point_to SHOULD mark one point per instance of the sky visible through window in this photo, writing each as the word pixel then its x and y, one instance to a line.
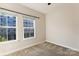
pixel 7 20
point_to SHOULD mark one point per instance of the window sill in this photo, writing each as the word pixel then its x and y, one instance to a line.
pixel 29 38
pixel 5 42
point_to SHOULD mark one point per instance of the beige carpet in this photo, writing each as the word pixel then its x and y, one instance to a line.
pixel 45 49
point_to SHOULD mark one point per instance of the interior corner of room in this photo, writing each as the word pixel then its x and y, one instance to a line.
pixel 38 23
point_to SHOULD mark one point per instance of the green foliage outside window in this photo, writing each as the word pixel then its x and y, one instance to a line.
pixel 2 39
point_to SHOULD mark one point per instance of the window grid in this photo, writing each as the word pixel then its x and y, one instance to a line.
pixel 8 28
pixel 29 26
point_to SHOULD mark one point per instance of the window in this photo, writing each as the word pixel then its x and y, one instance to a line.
pixel 7 27
pixel 29 27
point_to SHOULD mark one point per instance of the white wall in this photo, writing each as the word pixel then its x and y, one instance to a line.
pixel 11 46
pixel 62 25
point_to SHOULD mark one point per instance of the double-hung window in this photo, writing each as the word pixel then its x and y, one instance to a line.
pixel 29 27
pixel 7 27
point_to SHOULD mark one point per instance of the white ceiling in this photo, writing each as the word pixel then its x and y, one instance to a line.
pixel 45 8
pixel 41 7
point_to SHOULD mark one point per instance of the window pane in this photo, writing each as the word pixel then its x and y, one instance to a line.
pixel 11 33
pixel 28 23
pixel 7 20
pixel 2 20
pixel 31 32
pixel 3 34
pixel 28 32
pixel 11 21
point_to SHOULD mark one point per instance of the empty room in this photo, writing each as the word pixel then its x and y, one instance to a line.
pixel 39 29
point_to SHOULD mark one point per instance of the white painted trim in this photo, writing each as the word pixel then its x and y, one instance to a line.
pixel 30 45
pixel 63 45
pixel 34 22
pixel 29 38
pixel 4 42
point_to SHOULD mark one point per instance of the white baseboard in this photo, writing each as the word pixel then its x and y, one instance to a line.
pixel 4 54
pixel 40 43
pixel 63 45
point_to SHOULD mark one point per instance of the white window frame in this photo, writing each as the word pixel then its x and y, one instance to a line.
pixel 6 27
pixel 34 27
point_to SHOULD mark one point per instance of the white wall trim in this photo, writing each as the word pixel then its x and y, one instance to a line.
pixel 63 45
pixel 21 48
